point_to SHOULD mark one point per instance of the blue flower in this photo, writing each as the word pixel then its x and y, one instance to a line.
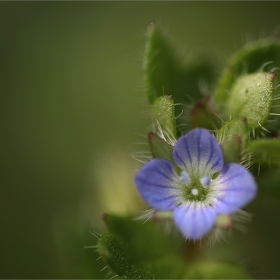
pixel 199 187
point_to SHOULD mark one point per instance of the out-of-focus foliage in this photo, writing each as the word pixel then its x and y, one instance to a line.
pixel 127 249
pixel 69 88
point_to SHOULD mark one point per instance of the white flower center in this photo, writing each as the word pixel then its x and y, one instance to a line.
pixel 195 188
pixel 194 191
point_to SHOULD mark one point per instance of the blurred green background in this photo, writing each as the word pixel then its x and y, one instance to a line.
pixel 72 105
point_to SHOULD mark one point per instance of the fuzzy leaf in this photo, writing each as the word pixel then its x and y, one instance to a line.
pixel 112 250
pixel 232 150
pixel 267 150
pixel 233 136
pixel 134 249
pixel 234 128
pixel 161 68
pixel 214 270
pixel 165 72
pixel 163 112
pixel 252 97
pixel 202 114
pixel 198 70
pixel 159 147
pixel 249 58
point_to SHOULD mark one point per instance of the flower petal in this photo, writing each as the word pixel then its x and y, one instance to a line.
pixel 234 188
pixel 158 184
pixel 195 219
pixel 199 153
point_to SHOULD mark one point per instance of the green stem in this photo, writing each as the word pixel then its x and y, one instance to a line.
pixel 192 250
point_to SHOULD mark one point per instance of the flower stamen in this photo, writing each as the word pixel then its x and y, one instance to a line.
pixel 184 177
pixel 194 191
pixel 205 181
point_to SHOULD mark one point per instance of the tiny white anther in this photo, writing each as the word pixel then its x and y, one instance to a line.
pixel 184 177
pixel 194 191
pixel 205 181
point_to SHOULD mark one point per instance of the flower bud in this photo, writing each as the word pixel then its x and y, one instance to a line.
pixel 251 97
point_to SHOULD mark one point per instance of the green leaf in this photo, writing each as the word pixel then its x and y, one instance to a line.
pixel 166 73
pixel 112 250
pixel 234 128
pixel 199 76
pixel 161 67
pixel 249 58
pixel 134 249
pixel 159 147
pixel 266 150
pixel 202 114
pixel 128 229
pixel 215 270
pixel 268 180
pixel 252 97
pixel 232 150
pixel 266 154
pixel 233 136
pixel 163 112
